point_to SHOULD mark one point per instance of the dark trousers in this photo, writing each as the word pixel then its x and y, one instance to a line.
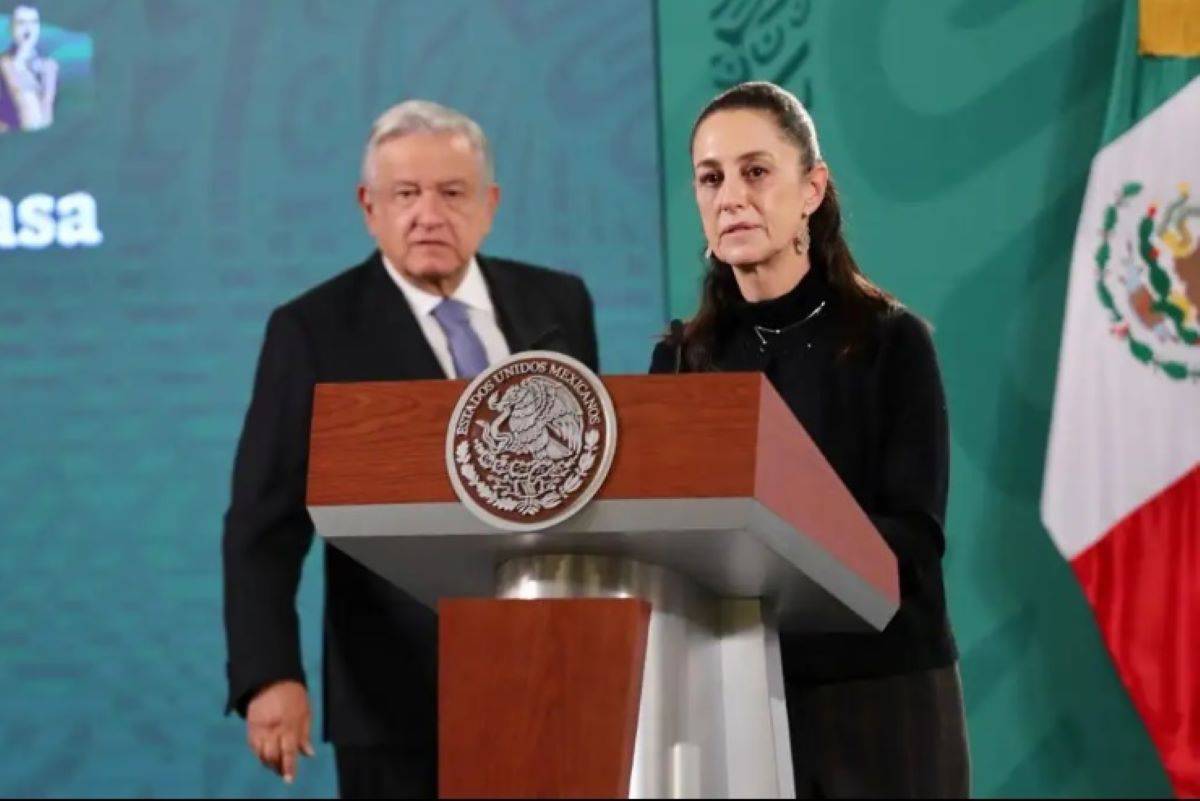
pixel 899 736
pixel 385 772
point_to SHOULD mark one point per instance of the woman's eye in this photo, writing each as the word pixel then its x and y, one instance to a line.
pixel 710 179
pixel 756 172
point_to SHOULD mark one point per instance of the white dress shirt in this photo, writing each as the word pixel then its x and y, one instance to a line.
pixel 472 293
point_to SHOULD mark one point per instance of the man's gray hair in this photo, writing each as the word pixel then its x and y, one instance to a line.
pixel 424 116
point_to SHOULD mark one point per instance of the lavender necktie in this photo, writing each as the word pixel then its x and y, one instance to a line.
pixel 466 349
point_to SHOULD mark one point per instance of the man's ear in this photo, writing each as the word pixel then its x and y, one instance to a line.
pixel 367 204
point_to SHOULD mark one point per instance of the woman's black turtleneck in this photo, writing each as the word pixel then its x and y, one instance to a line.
pixel 878 414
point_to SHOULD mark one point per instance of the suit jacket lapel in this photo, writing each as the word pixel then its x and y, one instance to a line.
pixel 524 324
pixel 391 323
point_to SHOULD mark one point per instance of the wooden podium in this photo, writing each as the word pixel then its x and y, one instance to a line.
pixel 631 650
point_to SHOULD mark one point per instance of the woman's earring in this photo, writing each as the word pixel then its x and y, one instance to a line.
pixel 708 254
pixel 802 238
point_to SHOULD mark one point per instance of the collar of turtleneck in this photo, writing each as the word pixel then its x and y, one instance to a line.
pixel 797 304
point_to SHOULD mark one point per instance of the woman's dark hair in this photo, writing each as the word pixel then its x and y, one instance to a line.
pixel 860 300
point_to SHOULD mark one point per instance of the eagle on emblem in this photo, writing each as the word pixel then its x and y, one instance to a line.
pixel 538 417
pixel 1173 231
pixel 1178 296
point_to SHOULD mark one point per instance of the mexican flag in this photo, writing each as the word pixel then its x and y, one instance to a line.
pixel 1121 497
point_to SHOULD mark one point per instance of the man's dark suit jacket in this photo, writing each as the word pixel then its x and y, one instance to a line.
pixel 380 645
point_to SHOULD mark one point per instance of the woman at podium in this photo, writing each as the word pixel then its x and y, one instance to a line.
pixel 870 714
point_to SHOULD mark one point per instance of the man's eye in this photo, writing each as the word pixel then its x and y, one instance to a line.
pixel 756 172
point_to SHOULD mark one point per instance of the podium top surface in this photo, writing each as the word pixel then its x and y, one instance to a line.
pixel 712 476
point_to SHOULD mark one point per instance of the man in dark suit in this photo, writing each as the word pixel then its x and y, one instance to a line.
pixel 425 305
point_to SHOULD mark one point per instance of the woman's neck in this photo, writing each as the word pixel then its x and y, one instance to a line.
pixel 772 278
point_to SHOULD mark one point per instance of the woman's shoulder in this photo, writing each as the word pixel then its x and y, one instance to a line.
pixel 900 324
pixel 883 322
pixel 667 354
pixel 906 347
pixel 891 332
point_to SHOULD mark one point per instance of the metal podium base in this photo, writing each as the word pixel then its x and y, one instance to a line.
pixel 712 720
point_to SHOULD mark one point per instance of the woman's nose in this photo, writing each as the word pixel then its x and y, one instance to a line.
pixel 732 195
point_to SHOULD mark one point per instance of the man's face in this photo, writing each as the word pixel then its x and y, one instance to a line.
pixel 26 27
pixel 429 205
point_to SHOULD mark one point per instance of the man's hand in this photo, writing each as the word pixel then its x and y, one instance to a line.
pixel 278 721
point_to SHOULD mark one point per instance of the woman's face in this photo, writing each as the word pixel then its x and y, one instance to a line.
pixel 750 187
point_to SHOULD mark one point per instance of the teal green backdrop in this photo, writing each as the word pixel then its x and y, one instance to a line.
pixel 221 141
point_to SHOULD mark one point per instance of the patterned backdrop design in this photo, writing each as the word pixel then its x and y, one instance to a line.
pixel 959 133
pixel 222 144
